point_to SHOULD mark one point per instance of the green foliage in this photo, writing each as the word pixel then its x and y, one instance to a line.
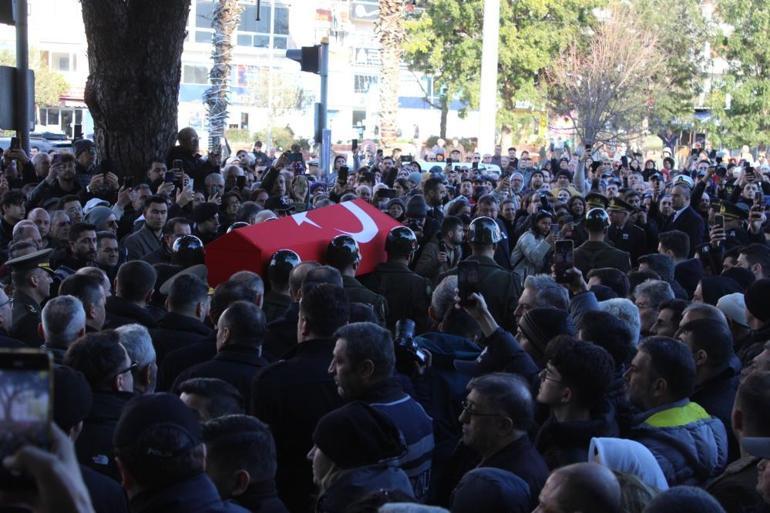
pixel 682 31
pixel 746 85
pixel 49 85
pixel 283 137
pixel 445 42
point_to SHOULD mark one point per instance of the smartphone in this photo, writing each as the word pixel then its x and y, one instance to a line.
pixel 240 181
pixel 169 177
pixel 695 152
pixel 589 147
pixel 759 197
pixel 342 176
pixel 405 158
pixel 442 245
pixel 563 259
pixel 544 202
pixel 554 228
pixel 26 399
pixel 387 193
pixel 14 143
pixel 354 145
pixel 449 161
pixel 719 220
pixel 178 164
pixel 468 280
pixel 475 166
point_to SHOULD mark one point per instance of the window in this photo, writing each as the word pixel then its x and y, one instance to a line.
pixel 363 83
pixel 256 33
pixel 244 120
pixel 62 61
pixel 195 74
pixel 204 10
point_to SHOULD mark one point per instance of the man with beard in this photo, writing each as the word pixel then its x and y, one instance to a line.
pixel 82 248
pixel 61 180
pixel 173 229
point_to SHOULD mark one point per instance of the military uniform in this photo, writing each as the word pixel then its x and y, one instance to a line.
pixel 598 254
pixel 629 237
pixel 26 311
pixel 357 293
pixel 26 318
pixel 501 289
pixel 406 292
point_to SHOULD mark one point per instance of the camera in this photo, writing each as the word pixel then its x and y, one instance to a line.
pixel 407 351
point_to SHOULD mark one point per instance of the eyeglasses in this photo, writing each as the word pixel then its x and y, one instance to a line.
pixel 130 368
pixel 468 408
pixel 546 374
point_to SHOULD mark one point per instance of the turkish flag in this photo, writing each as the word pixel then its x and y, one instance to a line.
pixel 307 233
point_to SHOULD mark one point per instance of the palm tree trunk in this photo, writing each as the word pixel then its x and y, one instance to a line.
pixel 226 16
pixel 390 30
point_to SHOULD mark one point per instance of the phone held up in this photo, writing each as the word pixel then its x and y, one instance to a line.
pixel 26 400
pixel 468 281
pixel 563 259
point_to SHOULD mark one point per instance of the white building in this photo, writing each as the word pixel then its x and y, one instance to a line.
pixel 258 98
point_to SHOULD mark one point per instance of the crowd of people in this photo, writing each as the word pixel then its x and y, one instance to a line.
pixel 608 353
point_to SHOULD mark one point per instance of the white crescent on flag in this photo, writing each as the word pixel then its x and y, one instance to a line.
pixel 368 226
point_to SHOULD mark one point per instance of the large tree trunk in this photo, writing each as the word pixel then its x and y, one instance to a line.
pixel 134 58
pixel 227 14
pixel 390 29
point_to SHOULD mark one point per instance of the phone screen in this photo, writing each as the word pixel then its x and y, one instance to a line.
pixel 241 182
pixel 342 177
pixel 169 177
pixel 563 259
pixel 178 164
pixel 719 220
pixel 554 227
pixel 468 280
pixel 25 405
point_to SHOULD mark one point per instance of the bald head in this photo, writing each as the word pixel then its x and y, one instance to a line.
pixel 188 139
pixel 297 276
pixel 582 487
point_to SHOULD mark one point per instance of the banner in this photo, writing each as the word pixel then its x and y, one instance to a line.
pixel 307 233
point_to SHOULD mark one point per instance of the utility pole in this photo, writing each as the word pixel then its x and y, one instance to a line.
pixel 22 68
pixel 489 49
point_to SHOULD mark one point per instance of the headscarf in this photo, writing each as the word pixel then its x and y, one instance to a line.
pixel 630 457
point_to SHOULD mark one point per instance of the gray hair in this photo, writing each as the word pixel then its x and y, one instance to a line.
pixel 444 296
pixel 625 310
pixel 20 229
pixel 656 291
pixel 549 293
pixel 64 319
pixel 138 343
pixel 706 311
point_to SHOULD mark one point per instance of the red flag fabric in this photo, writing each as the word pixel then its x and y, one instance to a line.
pixel 307 233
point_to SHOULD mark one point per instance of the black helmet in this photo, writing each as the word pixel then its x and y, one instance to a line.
pixel 236 225
pixel 281 264
pixel 401 241
pixel 188 251
pixel 342 252
pixel 484 230
pixel 597 220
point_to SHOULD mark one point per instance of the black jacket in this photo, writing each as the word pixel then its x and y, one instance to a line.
pixel 94 445
pixel 688 273
pixel 107 495
pixel 691 223
pixel 596 254
pixel 185 357
pixel 194 495
pixel 564 443
pixel 275 305
pixel 126 312
pixel 281 336
pixel 261 497
pixel 235 363
pixel 717 396
pixel 175 331
pixel 291 395
pixel 357 293
pixel 406 292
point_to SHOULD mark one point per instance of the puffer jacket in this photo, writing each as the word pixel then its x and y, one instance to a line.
pixel 529 255
pixel 689 444
pixel 355 483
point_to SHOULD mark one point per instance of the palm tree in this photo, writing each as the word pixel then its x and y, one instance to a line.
pixel 224 20
pixel 390 30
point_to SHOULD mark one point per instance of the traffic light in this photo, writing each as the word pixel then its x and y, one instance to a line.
pixel 309 58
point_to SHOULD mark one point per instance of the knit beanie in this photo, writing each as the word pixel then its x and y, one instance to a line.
pixel 540 325
pixel 757 299
pixel 357 435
